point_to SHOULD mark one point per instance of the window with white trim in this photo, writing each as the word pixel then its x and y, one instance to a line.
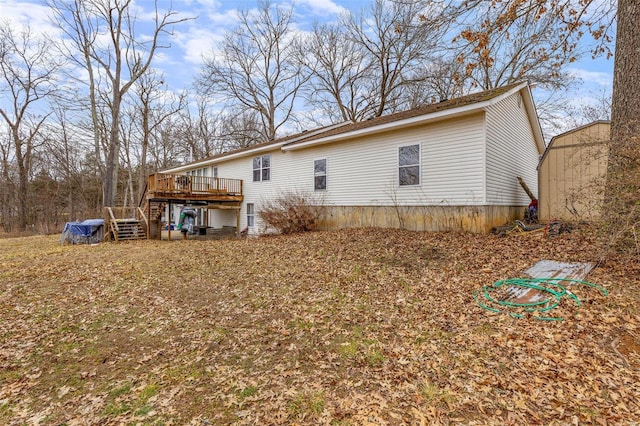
pixel 409 165
pixel 262 168
pixel 250 215
pixel 215 172
pixel 320 175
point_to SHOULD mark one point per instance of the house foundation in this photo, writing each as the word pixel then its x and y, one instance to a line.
pixel 476 219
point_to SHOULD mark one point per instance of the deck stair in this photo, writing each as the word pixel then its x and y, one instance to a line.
pixel 156 211
pixel 125 223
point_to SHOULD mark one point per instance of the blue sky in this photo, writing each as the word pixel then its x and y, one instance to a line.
pixel 213 17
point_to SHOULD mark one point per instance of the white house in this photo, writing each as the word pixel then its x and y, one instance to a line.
pixel 451 165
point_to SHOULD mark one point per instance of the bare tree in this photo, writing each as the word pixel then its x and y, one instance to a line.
pixel 27 80
pixel 339 68
pixel 117 63
pixel 168 149
pixel 237 129
pixel 63 152
pixel 81 31
pixel 207 132
pixel 255 68
pixel 199 133
pixel 526 49
pixel 153 105
pixel 398 39
pixel 441 79
pixel 592 107
pixel 623 169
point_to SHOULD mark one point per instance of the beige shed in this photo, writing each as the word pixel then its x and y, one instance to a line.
pixel 571 173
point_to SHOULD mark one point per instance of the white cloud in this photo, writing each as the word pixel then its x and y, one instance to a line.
pixel 215 4
pixel 23 13
pixel 593 77
pixel 322 7
pixel 222 20
pixel 199 37
pixel 196 43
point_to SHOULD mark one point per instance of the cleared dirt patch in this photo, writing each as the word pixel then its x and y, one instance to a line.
pixel 351 327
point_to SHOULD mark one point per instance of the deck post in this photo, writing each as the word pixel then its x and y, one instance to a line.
pixel 238 221
pixel 168 224
pixel 148 212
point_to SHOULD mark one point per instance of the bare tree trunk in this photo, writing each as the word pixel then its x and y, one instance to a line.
pixel 622 206
pixel 6 218
pixel 625 114
pixel 142 173
pixel 113 154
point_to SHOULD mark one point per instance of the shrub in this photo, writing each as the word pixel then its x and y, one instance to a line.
pixel 291 212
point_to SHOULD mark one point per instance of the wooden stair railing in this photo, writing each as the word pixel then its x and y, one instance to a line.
pixel 129 228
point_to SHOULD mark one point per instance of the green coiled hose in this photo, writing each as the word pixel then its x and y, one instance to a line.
pixel 550 286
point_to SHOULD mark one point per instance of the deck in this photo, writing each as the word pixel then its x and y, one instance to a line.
pixel 165 189
pixel 177 188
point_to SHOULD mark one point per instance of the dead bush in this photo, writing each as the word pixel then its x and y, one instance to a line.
pixel 291 212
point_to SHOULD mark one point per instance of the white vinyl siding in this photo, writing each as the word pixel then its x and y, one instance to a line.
pixel 511 152
pixel 364 171
pixel 453 162
pixel 254 192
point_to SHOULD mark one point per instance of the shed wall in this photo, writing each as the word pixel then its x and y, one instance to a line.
pixel 572 174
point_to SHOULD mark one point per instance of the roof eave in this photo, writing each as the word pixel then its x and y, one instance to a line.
pixel 523 88
pixel 395 125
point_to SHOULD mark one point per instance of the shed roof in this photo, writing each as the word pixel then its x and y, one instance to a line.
pixel 568 132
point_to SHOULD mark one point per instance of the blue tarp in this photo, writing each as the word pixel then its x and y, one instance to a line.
pixel 86 232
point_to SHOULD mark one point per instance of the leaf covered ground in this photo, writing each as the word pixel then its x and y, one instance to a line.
pixel 352 327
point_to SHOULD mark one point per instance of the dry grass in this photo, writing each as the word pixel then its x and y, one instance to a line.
pixel 345 328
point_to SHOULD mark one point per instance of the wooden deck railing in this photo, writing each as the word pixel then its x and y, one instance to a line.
pixel 125 223
pixel 183 184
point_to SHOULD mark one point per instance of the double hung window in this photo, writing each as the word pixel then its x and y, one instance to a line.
pixel 409 165
pixel 262 168
pixel 250 215
pixel 320 175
